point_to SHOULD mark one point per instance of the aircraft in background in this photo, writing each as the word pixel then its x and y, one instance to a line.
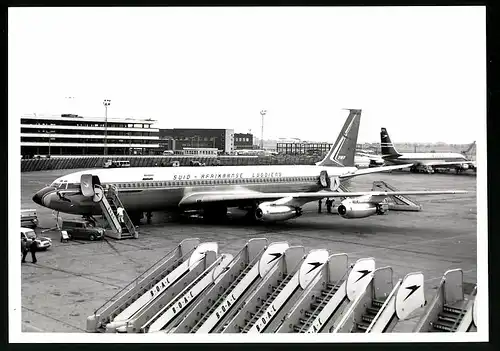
pixel 368 159
pixel 268 193
pixel 422 161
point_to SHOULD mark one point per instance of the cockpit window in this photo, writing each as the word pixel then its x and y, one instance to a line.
pixel 60 184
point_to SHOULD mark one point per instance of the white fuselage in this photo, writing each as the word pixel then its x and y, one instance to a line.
pixel 421 158
pixel 161 188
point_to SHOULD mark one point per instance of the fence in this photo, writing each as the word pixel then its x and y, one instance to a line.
pixel 42 164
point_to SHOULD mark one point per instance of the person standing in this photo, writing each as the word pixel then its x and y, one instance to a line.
pixel 33 247
pixel 329 205
pixel 119 211
pixel 24 249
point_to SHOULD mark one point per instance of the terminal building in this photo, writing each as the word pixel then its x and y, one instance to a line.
pixel 302 148
pixel 70 134
pixel 178 139
pixel 294 147
pixel 243 141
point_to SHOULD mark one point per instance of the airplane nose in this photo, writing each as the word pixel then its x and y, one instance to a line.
pixel 38 197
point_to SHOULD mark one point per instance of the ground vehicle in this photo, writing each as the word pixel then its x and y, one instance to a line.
pixel 168 152
pixel 82 229
pixel 29 218
pixel 116 164
pixel 42 242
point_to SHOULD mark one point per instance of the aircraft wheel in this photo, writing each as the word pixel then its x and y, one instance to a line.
pixel 136 217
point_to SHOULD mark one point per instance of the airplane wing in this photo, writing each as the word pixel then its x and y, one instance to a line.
pixel 293 199
pixel 374 170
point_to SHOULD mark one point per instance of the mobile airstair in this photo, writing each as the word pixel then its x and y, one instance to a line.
pixel 328 295
pixel 279 290
pixel 109 204
pixel 368 303
pixel 236 295
pixel 154 299
pixel 397 202
pixel 108 199
pixel 225 282
pixel 124 298
pixel 189 295
pixel 450 310
pixel 406 297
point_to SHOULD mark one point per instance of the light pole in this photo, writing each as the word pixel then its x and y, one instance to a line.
pixel 106 103
pixel 263 112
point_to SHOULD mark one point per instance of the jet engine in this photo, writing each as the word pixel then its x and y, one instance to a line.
pixel 465 166
pixel 350 209
pixel 270 212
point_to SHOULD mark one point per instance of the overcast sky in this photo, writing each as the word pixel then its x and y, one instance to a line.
pixel 418 71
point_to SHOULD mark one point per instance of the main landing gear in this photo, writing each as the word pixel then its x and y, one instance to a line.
pixel 215 214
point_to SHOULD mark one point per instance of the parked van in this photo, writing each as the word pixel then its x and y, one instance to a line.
pixel 116 164
pixel 82 229
pixel 42 242
pixel 29 218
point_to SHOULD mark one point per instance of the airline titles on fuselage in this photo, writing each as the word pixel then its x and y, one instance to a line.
pixel 226 175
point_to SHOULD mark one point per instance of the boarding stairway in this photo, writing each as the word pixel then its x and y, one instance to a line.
pixel 155 274
pixel 139 312
pixel 223 285
pixel 406 297
pixel 269 288
pixel 326 297
pixel 236 295
pixel 394 202
pixel 279 290
pixel 373 309
pixel 397 202
pixel 189 295
pixel 450 310
pixel 109 203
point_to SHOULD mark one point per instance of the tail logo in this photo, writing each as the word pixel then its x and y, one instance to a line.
pixel 335 154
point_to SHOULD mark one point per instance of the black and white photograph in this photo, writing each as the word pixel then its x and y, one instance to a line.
pixel 227 171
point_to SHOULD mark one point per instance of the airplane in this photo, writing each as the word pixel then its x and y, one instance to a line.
pixel 422 161
pixel 364 159
pixel 267 193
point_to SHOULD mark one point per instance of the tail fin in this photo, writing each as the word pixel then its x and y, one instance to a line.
pixel 386 144
pixel 342 152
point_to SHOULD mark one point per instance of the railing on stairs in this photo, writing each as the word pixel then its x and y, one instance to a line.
pixel 110 217
pixel 123 298
pixel 112 193
pixel 328 294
